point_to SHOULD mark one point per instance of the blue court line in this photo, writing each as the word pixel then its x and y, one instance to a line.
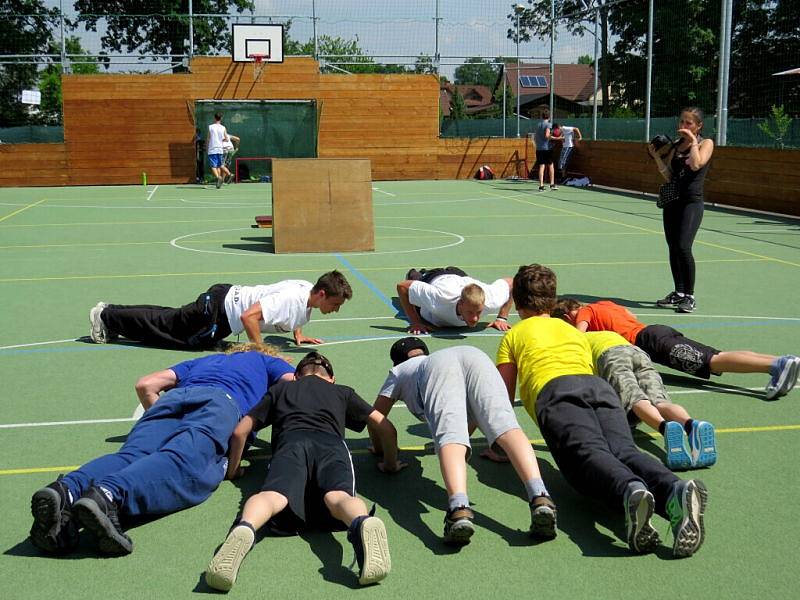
pixel 363 279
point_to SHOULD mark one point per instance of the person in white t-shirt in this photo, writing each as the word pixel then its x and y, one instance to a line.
pixel 448 297
pixel 222 310
pixel 568 136
pixel 229 150
pixel 217 136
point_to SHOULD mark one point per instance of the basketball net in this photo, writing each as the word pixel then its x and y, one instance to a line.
pixel 259 64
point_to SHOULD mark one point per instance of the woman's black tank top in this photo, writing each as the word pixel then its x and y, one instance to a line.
pixel 690 182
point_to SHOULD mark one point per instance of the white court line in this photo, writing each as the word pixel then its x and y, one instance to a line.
pixel 390 204
pixel 150 197
pixel 37 344
pixel 382 192
pixel 400 405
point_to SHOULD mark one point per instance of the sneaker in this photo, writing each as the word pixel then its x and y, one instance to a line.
pixel 785 378
pixel 543 517
pixel 702 443
pixel 554 187
pixel 639 507
pixel 224 567
pixel 670 299
pixel 685 507
pixel 458 527
pixel 368 536
pixel 98 330
pixel 219 182
pixel 229 179
pixel 99 515
pixel 53 530
pixel 541 188
pixel 676 456
pixel 413 275
pixel 687 304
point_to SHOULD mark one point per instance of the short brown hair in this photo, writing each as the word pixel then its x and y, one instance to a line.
pixel 473 295
pixel 564 306
pixel 314 363
pixel 333 283
pixel 534 289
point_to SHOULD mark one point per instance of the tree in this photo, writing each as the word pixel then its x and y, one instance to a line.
pixel 25 28
pixel 50 79
pixel 585 59
pixel 459 110
pixel 776 126
pixel 131 27
pixel 344 54
pixel 476 71
pixel 424 65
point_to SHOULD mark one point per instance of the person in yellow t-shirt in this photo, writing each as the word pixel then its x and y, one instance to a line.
pixel 583 424
pixel 631 373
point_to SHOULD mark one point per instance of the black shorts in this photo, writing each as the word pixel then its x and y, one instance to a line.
pixel 544 157
pixel 306 466
pixel 671 348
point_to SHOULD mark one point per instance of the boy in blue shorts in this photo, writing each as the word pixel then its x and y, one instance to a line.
pixel 173 458
pixel 585 428
pixel 310 481
pixel 217 137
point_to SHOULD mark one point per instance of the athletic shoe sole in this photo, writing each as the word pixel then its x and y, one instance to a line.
pixel 377 561
pixel 46 511
pixel 786 379
pixel 642 536
pixel 97 331
pixel 224 567
pixel 704 445
pixel 543 523
pixel 677 458
pixel 92 517
pixel 691 532
pixel 459 533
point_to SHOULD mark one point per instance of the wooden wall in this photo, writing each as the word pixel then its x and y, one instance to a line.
pixel 33 164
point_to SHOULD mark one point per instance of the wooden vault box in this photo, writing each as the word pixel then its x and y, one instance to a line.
pixel 322 205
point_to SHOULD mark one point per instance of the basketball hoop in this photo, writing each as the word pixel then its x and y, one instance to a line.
pixel 259 64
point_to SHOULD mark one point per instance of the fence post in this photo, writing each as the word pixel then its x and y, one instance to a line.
pixel 63 40
pixel 649 91
pixel 314 27
pixel 191 32
pixel 596 72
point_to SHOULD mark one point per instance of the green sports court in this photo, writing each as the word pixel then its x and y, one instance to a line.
pixel 67 400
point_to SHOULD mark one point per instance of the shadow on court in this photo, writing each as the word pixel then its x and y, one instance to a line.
pixel 694 383
pixel 257 245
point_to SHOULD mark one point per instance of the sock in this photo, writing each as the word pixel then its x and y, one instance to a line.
pixel 688 426
pixel 535 487
pixel 243 523
pixel 661 427
pixel 457 500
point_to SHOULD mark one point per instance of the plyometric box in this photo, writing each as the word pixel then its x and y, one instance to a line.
pixel 322 205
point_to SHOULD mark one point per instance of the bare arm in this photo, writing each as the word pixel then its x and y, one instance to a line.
pixel 582 326
pixel 663 167
pixel 501 323
pixel 251 321
pixel 578 134
pixel 415 321
pixel 236 446
pixel 148 387
pixel 383 404
pixel 508 371
pixel 700 154
pixel 385 431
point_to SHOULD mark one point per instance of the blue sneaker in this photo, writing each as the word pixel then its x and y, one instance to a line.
pixel 677 458
pixel 702 443
pixel 686 506
pixel 784 376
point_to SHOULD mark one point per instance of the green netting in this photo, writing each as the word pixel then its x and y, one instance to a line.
pixel 267 128
pixel 32 134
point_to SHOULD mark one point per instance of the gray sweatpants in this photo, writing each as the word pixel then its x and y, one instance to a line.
pixel 630 372
pixel 460 385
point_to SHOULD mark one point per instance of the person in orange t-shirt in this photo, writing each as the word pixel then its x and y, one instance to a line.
pixel 671 348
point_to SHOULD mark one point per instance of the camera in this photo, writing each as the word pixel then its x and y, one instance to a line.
pixel 660 141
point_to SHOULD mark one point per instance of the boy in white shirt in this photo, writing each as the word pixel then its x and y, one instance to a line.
pixel 217 136
pixel 568 137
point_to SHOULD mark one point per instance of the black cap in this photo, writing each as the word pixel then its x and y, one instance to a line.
pixel 401 348
pixel 314 358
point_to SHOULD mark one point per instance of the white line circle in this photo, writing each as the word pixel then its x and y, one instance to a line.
pixel 459 240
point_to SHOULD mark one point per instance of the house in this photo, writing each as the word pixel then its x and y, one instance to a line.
pixel 477 98
pixel 574 86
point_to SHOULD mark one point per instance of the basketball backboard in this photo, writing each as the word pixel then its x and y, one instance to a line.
pixel 266 40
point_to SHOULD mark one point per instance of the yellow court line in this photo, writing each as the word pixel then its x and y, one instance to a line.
pixel 16 212
pixel 363 451
pixel 613 222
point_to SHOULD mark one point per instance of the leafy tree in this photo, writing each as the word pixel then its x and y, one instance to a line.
pixel 476 71
pixel 347 53
pixel 459 109
pixel 50 79
pixel 131 27
pixel 585 59
pixel 25 28
pixel 424 64
pixel 776 126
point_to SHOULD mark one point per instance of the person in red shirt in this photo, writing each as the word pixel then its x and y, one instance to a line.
pixel 671 348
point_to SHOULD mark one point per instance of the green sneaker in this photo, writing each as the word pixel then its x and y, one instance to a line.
pixel 686 506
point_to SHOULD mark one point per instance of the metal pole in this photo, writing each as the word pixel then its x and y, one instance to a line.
pixel 436 57
pixel 517 73
pixel 596 72
pixel 63 41
pixel 721 69
pixel 552 64
pixel 647 100
pixel 314 26
pixel 723 141
pixel 191 31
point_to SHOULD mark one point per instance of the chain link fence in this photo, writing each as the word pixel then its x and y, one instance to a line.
pixel 617 70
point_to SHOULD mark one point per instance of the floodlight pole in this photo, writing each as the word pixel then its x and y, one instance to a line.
pixel 648 93
pixel 552 60
pixel 63 41
pixel 596 72
pixel 517 11
pixel 436 58
pixel 724 72
pixel 191 31
pixel 314 27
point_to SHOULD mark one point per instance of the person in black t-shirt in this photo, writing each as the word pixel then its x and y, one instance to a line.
pixel 310 478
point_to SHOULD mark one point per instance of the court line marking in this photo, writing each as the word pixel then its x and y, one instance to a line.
pixel 377 189
pixel 621 224
pixel 476 443
pixel 150 197
pixel 120 223
pixel 24 208
pixel 363 279
pixel 260 255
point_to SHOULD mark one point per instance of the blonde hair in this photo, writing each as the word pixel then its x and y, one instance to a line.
pixel 267 349
pixel 473 295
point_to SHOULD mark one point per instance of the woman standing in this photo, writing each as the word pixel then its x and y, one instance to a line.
pixel 686 163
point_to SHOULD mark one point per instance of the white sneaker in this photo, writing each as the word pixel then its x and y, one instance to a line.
pixel 98 330
pixel 221 573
